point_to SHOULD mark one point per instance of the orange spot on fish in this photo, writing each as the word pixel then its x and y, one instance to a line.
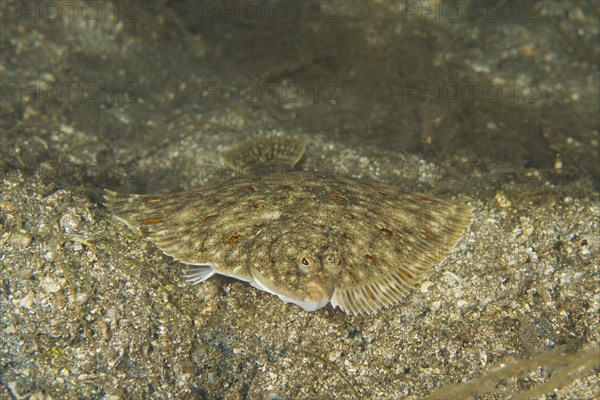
pixel 151 221
pixel 427 200
pixel 370 258
pixel 427 233
pixel 338 197
pixel 405 273
pixel 154 199
pixel 233 238
pixel 387 232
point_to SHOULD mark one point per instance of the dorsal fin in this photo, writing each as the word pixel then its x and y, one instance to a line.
pixel 431 233
pixel 265 151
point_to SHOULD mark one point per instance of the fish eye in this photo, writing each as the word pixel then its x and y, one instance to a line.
pixel 306 263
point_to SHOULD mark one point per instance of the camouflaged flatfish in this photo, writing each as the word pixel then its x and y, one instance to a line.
pixel 310 239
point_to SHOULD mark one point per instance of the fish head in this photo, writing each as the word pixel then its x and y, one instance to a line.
pixel 300 269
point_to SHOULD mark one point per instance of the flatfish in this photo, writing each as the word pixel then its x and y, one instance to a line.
pixel 308 238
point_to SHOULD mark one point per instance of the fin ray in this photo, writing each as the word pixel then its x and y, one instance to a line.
pixel 265 151
pixel 134 209
pixel 386 287
pixel 198 273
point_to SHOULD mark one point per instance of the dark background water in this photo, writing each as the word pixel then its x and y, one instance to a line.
pixel 511 86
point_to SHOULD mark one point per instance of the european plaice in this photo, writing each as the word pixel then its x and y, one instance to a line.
pixel 308 238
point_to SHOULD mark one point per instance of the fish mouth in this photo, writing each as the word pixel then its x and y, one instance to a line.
pixel 313 297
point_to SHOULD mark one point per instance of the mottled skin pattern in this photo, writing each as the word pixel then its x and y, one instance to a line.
pixel 310 239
